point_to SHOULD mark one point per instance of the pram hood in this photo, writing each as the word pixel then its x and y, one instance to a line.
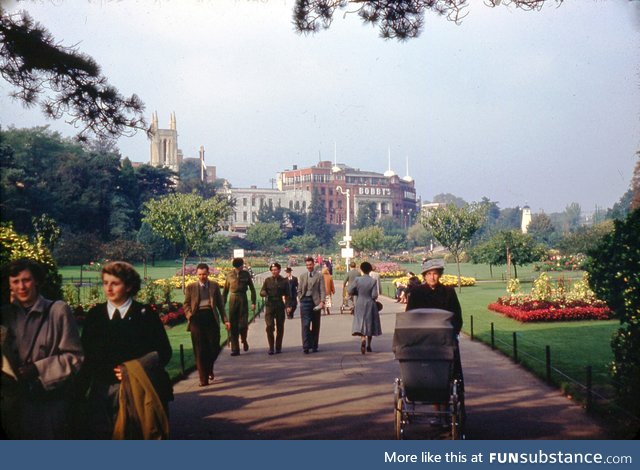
pixel 424 334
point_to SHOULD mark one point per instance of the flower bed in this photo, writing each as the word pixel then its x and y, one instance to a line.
pixel 551 303
pixel 170 314
pixel 531 310
pixel 446 279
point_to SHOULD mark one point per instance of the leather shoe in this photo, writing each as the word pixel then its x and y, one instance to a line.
pixel 235 353
pixel 270 352
pixel 203 384
pixel 211 377
pixel 245 346
pixel 306 351
pixel 369 349
pixel 278 351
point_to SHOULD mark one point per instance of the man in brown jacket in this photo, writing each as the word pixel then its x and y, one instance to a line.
pixel 202 300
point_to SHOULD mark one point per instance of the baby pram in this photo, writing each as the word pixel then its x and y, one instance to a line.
pixel 347 305
pixel 425 344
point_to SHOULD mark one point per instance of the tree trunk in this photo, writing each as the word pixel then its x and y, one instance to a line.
pixel 515 270
pixel 491 270
pixel 459 276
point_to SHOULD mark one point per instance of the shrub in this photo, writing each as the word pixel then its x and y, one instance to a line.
pixel 15 246
pixel 613 269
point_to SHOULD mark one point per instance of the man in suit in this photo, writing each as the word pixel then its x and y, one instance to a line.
pixel 292 290
pixel 349 279
pixel 202 300
pixel 311 295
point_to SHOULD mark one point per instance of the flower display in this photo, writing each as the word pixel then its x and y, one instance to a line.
pixel 446 279
pixel 549 303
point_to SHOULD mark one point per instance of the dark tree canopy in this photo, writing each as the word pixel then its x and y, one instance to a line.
pixel 398 19
pixel 63 81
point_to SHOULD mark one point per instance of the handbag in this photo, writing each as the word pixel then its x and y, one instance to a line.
pixel 379 305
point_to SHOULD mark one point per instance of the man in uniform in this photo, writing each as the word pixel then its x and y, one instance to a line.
pixel 275 291
pixel 292 292
pixel 235 291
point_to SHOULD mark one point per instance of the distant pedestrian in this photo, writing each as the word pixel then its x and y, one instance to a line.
pixel 204 309
pixel 275 291
pixel 311 295
pixel 366 317
pixel 235 292
pixel 41 347
pixel 292 286
pixel 329 289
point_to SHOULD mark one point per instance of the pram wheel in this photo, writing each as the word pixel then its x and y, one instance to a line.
pixel 399 420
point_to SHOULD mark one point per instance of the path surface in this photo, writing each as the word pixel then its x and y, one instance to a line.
pixel 338 393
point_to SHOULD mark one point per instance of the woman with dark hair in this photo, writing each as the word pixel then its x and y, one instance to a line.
pixel 41 353
pixel 126 350
pixel 366 318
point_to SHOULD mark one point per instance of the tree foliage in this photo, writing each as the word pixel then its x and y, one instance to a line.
pixel 367 239
pixel 265 236
pixel 186 220
pixel 541 229
pixel 613 276
pixel 366 215
pixel 63 81
pixel 398 19
pixel 454 227
pixel 316 223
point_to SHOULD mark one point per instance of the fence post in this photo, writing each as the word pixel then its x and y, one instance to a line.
pixel 182 359
pixel 493 337
pixel 547 350
pixel 589 403
pixel 515 348
pixel 471 327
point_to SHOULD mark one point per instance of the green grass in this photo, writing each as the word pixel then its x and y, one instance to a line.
pixel 573 345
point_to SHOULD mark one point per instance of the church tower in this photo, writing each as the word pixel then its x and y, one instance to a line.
pixel 164 144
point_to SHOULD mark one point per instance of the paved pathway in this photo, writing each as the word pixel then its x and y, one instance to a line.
pixel 338 393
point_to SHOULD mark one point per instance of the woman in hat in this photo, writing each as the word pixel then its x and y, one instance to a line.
pixel 433 294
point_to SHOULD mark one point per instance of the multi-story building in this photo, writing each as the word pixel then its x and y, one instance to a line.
pixel 392 195
pixel 248 202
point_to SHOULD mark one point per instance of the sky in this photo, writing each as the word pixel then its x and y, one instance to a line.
pixel 539 108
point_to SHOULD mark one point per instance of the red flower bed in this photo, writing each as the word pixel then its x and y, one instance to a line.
pixel 170 314
pixel 551 311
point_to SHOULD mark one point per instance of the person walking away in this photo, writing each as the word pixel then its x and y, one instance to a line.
pixel 204 309
pixel 349 278
pixel 311 297
pixel 127 350
pixel 375 275
pixel 235 292
pixel 292 292
pixel 41 354
pixel 275 291
pixel 329 289
pixel 366 317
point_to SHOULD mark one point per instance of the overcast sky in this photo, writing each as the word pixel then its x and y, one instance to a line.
pixel 521 107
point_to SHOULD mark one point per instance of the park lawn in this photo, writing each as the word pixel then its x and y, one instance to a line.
pixel 574 345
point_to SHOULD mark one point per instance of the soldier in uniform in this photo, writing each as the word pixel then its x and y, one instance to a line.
pixel 275 291
pixel 235 292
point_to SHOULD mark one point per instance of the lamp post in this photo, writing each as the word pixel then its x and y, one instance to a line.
pixel 347 236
